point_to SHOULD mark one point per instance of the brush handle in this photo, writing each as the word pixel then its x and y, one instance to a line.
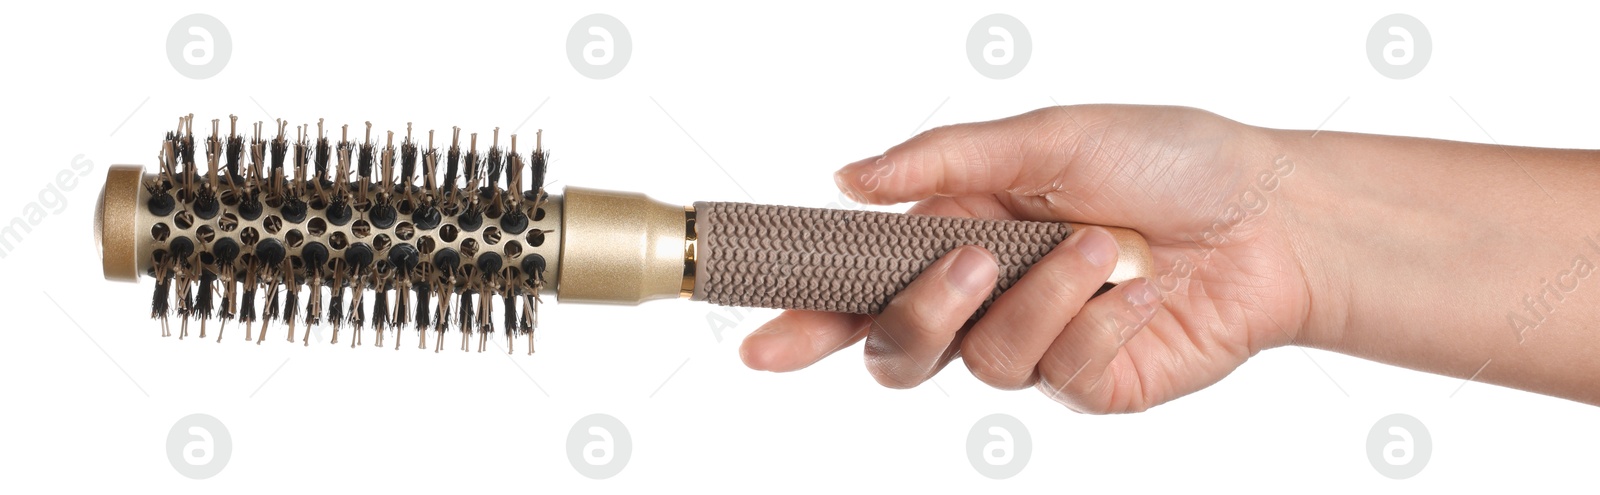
pixel 848 261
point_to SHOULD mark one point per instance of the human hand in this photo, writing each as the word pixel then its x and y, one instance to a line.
pixel 1196 185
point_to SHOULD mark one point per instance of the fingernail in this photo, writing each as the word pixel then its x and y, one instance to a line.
pixel 1097 246
pixel 972 271
pixel 1142 295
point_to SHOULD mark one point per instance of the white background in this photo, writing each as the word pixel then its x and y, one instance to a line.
pixel 779 96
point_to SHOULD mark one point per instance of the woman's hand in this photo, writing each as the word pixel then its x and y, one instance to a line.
pixel 1202 190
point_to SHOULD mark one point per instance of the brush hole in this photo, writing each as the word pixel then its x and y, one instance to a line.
pixel 513 249
pixel 425 245
pixel 317 227
pixel 361 229
pixel 491 236
pixel 469 248
pixel 381 242
pixel 538 214
pixel 229 222
pixel 228 197
pixel 448 233
pixel 338 241
pixel 160 232
pixel 272 224
pixel 183 220
pixel 206 234
pixel 405 231
pixel 295 238
pixel 249 236
pixel 536 237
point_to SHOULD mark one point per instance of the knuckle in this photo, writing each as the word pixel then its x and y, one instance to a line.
pixel 919 318
pixel 992 364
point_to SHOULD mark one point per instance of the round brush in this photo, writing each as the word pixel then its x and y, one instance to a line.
pixel 299 229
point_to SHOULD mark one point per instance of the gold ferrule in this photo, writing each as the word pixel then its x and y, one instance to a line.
pixel 623 248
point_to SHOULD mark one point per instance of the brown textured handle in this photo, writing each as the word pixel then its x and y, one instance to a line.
pixel 852 261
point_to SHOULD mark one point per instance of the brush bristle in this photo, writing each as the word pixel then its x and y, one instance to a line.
pixel 272 215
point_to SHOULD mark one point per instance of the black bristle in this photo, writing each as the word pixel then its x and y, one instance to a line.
pixel 466 312
pixel 423 291
pixel 279 148
pixel 408 162
pixel 324 156
pixel 402 312
pixel 365 160
pixel 452 163
pixel 291 306
pixel 186 151
pixel 247 305
pixel 160 302
pixel 203 301
pixel 496 164
pixel 537 164
pixel 510 301
pixel 380 308
pixel 234 154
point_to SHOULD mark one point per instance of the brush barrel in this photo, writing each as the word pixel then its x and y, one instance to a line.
pixel 856 261
pixel 129 233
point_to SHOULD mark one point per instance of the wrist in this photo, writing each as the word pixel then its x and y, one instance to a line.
pixel 1311 208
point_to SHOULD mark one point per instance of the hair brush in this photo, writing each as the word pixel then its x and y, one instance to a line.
pixel 432 240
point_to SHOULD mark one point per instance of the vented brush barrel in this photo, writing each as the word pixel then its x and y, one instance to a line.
pixel 131 230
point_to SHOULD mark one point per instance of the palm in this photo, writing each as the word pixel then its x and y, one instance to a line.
pixel 1231 283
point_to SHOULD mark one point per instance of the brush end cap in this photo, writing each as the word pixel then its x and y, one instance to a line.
pixel 115 215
